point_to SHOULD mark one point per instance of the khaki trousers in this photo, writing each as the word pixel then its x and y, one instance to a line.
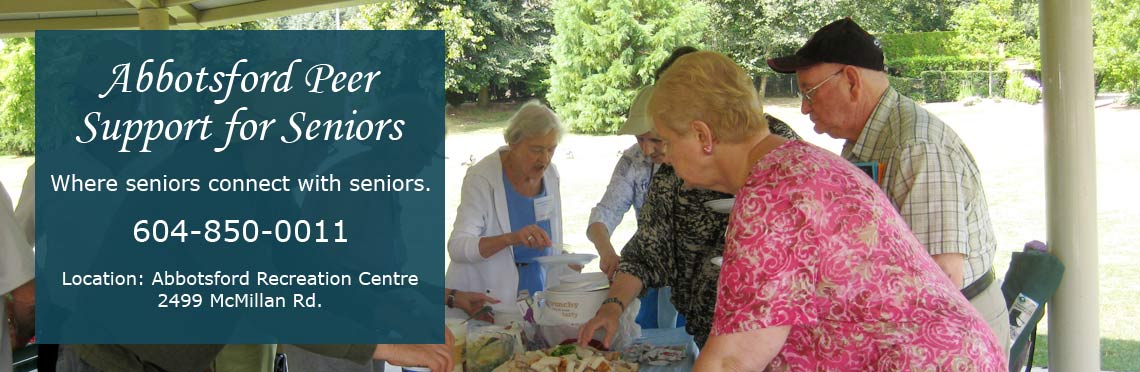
pixel 991 304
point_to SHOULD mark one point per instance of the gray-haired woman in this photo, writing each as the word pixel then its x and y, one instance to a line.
pixel 510 212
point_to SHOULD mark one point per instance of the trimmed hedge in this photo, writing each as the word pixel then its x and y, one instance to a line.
pixel 948 86
pixel 935 43
pixel 913 67
pixel 908 87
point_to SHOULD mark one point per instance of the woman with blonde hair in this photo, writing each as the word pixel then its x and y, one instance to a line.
pixel 820 272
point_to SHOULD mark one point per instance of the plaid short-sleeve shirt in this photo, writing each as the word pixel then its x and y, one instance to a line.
pixel 931 177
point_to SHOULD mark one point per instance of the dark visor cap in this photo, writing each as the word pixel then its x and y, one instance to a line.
pixel 842 42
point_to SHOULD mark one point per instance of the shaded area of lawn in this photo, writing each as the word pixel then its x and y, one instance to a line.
pixel 1115 355
pixel 469 117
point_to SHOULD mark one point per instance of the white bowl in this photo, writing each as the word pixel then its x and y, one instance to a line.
pixel 575 281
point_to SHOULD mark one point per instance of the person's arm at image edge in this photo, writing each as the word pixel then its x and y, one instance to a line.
pixel 744 351
pixel 24 313
pixel 438 358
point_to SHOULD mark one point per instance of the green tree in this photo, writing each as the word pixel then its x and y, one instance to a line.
pixel 244 26
pixel 604 51
pixel 332 19
pixel 751 31
pixel 17 97
pixel 995 27
pixel 517 55
pixel 460 35
pixel 490 44
pixel 902 16
pixel 1116 47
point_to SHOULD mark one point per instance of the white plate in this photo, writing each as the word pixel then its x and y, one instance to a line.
pixel 585 277
pixel 568 259
pixel 718 260
pixel 721 205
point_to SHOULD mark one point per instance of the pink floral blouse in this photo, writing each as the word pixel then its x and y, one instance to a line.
pixel 812 243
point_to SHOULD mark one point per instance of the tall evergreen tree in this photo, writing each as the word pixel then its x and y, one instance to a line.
pixel 604 51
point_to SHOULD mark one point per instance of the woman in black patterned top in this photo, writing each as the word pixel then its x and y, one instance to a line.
pixel 676 239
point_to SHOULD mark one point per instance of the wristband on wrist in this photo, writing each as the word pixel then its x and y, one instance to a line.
pixel 451 299
pixel 616 301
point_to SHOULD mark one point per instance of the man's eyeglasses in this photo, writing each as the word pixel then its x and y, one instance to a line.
pixel 806 95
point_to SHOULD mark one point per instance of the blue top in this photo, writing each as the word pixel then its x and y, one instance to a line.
pixel 521 211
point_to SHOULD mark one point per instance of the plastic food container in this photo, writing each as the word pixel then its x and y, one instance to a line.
pixel 489 346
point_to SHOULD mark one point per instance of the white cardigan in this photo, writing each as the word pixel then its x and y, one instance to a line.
pixel 483 212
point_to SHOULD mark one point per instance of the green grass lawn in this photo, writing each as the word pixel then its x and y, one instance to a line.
pixel 1115 355
pixel 471 118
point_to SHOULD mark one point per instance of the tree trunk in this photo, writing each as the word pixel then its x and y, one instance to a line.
pixel 762 90
pixel 484 97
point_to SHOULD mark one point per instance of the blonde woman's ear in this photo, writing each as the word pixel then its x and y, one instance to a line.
pixel 704 135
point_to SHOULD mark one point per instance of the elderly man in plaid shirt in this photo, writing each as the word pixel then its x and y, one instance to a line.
pixel 927 171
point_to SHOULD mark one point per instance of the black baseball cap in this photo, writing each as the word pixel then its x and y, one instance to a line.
pixel 842 42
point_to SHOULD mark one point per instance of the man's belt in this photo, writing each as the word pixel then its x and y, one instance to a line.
pixel 978 286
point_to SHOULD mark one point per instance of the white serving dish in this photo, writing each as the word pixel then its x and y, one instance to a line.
pixel 569 307
pixel 721 205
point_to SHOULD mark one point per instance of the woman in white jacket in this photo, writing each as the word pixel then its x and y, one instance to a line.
pixel 510 211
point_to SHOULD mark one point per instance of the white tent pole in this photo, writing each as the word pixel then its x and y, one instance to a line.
pixel 1070 172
